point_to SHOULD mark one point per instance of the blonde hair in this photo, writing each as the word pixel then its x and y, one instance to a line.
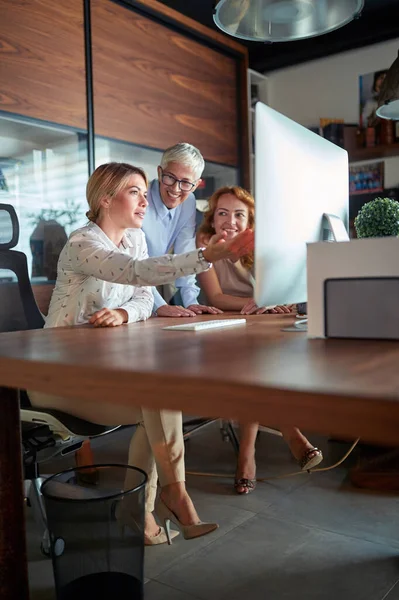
pixel 108 180
pixel 207 230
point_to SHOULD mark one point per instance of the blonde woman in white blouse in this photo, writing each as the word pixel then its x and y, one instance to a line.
pixel 103 278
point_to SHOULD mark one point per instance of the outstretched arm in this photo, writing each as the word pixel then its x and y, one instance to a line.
pixel 91 258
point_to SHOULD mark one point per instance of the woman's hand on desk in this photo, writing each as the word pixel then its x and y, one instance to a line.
pixel 280 310
pixel 107 317
pixel 251 308
pixel 200 309
pixel 167 310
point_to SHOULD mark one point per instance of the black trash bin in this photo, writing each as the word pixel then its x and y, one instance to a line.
pixel 97 532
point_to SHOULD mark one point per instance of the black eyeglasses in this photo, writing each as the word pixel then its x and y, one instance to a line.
pixel 184 185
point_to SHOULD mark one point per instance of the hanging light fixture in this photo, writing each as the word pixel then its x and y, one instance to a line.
pixel 388 101
pixel 283 20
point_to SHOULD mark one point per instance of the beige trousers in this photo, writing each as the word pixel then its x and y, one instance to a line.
pixel 157 446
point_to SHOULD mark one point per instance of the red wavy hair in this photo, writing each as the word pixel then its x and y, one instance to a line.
pixel 207 230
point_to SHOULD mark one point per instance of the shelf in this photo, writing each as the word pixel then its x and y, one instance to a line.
pixel 255 77
pixel 360 154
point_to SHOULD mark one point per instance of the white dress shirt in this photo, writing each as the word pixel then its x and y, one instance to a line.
pixel 164 228
pixel 93 273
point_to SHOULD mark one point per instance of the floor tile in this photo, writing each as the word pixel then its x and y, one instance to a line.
pixel 158 591
pixel 306 537
pixel 159 558
pixel 393 594
pixel 330 502
pixel 267 558
pixel 41 580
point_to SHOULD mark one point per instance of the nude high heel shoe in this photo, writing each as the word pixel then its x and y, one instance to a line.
pixel 161 538
pixel 125 519
pixel 189 531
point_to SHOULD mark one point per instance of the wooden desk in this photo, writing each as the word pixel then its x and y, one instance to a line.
pixel 254 372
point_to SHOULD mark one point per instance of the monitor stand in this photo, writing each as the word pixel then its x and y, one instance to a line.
pixel 336 232
pixel 335 227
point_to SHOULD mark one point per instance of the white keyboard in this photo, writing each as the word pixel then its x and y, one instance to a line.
pixel 202 325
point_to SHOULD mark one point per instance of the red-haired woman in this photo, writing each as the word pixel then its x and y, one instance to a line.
pixel 228 286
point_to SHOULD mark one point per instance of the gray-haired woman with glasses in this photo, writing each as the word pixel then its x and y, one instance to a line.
pixel 170 222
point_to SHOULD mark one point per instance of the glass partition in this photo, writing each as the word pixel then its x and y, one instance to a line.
pixel 43 174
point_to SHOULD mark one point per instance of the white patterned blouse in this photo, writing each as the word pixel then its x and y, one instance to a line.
pixel 93 273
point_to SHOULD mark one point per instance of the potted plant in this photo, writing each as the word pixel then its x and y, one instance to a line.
pixel 378 218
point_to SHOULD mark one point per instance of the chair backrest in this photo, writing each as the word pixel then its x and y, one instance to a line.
pixel 19 311
pixel 18 306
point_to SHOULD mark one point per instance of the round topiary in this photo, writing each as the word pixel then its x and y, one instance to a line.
pixel 378 218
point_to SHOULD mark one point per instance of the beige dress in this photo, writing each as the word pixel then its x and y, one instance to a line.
pixel 234 278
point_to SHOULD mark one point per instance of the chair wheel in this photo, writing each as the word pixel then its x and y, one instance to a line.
pixel 59 547
pixel 45 544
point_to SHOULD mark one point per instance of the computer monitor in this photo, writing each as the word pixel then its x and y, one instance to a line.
pixel 299 177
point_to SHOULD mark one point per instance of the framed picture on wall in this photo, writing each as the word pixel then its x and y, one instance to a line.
pixel 367 178
pixel 369 89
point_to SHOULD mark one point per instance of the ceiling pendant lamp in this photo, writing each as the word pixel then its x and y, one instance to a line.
pixel 283 20
pixel 388 101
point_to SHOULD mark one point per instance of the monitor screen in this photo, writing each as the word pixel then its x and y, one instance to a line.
pixel 299 176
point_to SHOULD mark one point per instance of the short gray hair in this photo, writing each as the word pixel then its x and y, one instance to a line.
pixel 186 155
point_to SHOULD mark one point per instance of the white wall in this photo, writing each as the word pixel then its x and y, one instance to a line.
pixel 329 88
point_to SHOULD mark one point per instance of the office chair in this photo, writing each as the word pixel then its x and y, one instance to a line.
pixel 46 433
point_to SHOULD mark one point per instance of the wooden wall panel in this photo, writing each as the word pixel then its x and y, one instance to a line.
pixel 155 87
pixel 191 25
pixel 42 66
